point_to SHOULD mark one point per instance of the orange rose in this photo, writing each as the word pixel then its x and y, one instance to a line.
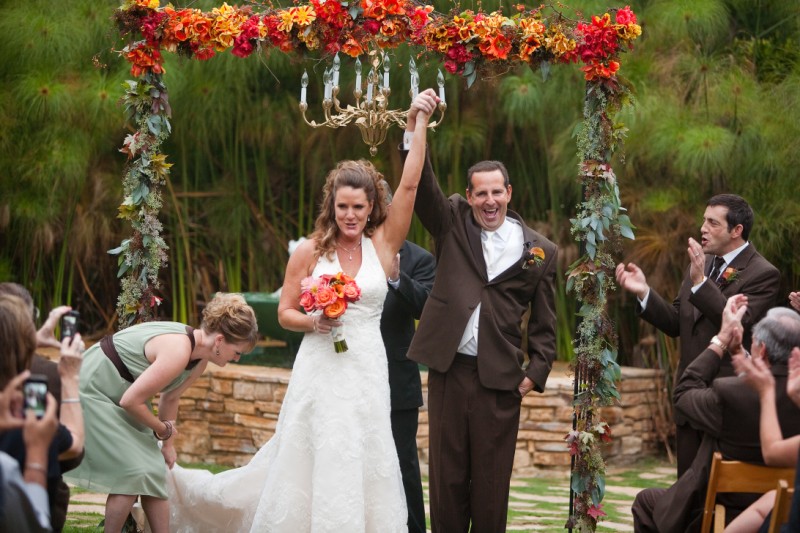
pixel 336 309
pixel 325 296
pixel 538 253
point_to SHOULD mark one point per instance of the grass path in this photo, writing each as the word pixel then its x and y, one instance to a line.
pixel 536 504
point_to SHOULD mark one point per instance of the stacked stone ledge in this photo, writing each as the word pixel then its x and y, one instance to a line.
pixel 229 413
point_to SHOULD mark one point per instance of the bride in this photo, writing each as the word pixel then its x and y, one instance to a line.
pixel 331 465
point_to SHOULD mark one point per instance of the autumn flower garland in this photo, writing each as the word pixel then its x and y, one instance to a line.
pixel 468 41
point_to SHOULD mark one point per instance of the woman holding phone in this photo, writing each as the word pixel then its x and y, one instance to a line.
pixel 18 338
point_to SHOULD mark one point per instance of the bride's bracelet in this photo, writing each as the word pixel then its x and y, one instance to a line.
pixel 314 323
pixel 169 427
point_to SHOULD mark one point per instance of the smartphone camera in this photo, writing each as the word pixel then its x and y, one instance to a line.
pixel 69 324
pixel 35 393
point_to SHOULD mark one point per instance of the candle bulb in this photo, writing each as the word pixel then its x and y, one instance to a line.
pixel 303 87
pixel 336 64
pixel 412 68
pixel 385 71
pixel 370 84
pixel 326 78
pixel 440 82
pixel 358 74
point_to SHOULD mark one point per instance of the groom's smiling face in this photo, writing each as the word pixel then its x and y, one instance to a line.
pixel 489 199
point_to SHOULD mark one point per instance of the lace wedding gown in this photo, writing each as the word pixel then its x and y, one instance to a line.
pixel 331 465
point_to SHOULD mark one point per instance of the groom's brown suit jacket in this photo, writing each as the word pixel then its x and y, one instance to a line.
pixel 462 282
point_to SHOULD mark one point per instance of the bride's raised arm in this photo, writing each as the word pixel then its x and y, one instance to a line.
pixel 398 219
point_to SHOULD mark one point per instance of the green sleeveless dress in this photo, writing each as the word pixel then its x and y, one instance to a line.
pixel 122 455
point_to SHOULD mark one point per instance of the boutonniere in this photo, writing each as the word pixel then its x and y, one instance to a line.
pixel 532 256
pixel 728 276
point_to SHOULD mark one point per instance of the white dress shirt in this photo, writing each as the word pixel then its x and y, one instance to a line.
pixel 501 249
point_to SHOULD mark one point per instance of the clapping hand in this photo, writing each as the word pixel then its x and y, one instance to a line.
pixel 794 300
pixel 697 261
pixel 631 278
pixel 730 332
pixel 755 372
pixel 793 383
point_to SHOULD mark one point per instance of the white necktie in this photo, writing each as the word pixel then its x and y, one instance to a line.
pixel 489 242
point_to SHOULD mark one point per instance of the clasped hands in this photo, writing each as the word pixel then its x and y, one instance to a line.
pixel 424 103
pixel 731 330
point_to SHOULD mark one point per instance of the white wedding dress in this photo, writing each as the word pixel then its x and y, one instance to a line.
pixel 331 465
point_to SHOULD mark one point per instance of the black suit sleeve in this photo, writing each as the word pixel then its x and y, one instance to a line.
pixel 416 281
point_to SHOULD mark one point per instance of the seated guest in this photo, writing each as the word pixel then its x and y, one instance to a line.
pixel 776 450
pixel 23 498
pixel 727 412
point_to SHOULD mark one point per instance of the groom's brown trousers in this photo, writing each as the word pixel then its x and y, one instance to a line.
pixel 473 435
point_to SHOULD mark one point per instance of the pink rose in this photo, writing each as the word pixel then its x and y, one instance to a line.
pixel 352 292
pixel 307 301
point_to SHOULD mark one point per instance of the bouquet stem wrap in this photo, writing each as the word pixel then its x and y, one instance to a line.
pixel 339 342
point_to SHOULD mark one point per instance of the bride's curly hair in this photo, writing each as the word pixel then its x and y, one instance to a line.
pixel 359 174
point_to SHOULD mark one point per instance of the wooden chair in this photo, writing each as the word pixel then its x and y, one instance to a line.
pixel 736 476
pixel 783 503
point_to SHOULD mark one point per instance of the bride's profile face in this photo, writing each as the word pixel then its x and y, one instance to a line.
pixel 351 209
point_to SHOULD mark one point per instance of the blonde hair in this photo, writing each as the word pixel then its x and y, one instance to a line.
pixel 229 314
pixel 17 337
pixel 356 174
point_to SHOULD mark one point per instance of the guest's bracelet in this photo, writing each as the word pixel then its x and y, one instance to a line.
pixel 169 427
pixel 71 400
pixel 37 466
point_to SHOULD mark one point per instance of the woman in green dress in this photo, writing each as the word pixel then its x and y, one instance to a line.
pixel 119 377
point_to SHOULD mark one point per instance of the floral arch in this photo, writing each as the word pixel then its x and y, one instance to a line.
pixel 468 43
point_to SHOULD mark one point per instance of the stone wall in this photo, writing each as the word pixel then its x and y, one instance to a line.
pixel 230 412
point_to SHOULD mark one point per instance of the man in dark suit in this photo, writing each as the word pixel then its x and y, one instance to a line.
pixel 728 413
pixel 492 304
pixel 410 283
pixel 724 263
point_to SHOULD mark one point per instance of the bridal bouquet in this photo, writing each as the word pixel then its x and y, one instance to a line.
pixel 330 294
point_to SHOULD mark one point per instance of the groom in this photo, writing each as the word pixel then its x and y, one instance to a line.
pixel 492 305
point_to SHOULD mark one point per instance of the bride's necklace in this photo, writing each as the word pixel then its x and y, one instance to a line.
pixel 350 250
